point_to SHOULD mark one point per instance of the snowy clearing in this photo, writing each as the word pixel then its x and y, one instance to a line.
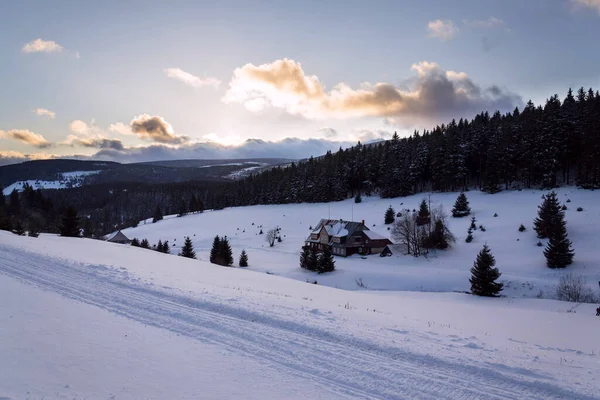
pixel 64 180
pixel 229 332
pixel 521 262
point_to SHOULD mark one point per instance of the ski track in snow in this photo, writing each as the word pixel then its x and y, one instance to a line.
pixel 348 366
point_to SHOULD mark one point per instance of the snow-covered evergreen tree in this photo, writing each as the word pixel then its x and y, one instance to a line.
pixel 188 249
pixel 484 275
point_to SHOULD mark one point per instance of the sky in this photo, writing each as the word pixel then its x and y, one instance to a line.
pixel 144 80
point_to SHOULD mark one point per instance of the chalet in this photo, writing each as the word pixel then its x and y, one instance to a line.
pixel 117 237
pixel 345 238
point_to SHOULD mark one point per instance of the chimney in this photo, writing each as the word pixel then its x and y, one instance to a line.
pixel 363 221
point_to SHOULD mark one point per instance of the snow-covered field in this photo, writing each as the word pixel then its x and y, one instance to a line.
pixel 521 262
pixel 86 319
pixel 63 181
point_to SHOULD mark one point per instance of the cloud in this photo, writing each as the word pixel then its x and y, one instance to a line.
pixel 290 148
pixel 79 126
pixel 42 46
pixel 328 132
pixel 93 142
pixel 191 80
pixel 443 30
pixel 42 112
pixel 121 128
pixel 593 4
pixel 432 96
pixel 490 23
pixel 156 129
pixel 13 157
pixel 28 137
pixel 368 135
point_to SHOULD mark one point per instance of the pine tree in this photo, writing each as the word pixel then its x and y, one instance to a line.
pixel 558 251
pixel 159 246
pixel 70 223
pixel 549 215
pixel 469 238
pixel 423 217
pixel 193 207
pixel 215 257
pixel 157 215
pixel 390 215
pixel 473 223
pixel 325 263
pixel 225 251
pixel 461 206
pixel 19 230
pixel 135 242
pixel 243 259
pixel 484 275
pixel 188 249
pixel 166 249
pixel 33 229
pixel 144 244
pixel 358 198
pixel 312 263
pixel 182 209
pixel 304 257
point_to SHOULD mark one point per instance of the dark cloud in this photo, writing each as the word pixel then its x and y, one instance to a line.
pixel 97 143
pixel 155 129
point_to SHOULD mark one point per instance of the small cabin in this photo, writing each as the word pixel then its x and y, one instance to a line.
pixel 118 237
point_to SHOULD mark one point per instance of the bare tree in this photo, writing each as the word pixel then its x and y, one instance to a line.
pixel 574 288
pixel 407 232
pixel 420 239
pixel 271 237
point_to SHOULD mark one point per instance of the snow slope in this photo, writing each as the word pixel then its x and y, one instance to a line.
pixel 91 319
pixel 521 262
pixel 65 180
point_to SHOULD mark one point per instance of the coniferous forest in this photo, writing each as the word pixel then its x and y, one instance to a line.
pixel 540 146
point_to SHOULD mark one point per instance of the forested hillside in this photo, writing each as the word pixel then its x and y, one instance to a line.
pixel 558 143
pixel 543 147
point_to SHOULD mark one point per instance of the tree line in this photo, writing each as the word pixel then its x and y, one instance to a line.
pixel 538 146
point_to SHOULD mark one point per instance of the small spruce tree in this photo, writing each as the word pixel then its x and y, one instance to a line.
pixel 325 262
pixel 135 242
pixel 215 256
pixel 461 206
pixel 243 259
pixel 558 251
pixel 484 275
pixel 70 223
pixel 469 238
pixel 157 214
pixel 159 246
pixel 183 210
pixel 188 249
pixel 312 263
pixel 473 223
pixel 423 217
pixel 304 256
pixel 226 252
pixel 548 214
pixel 19 229
pixel 166 248
pixel 390 215
pixel 358 198
pixel 145 244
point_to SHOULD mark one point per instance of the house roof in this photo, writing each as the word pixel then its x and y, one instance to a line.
pixel 374 235
pixel 117 236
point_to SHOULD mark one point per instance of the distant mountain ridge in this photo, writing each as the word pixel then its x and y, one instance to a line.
pixel 173 171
